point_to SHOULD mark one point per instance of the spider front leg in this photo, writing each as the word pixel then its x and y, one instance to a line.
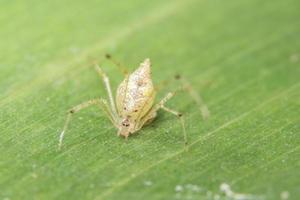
pixel 120 67
pixel 123 70
pixel 103 105
pixel 108 90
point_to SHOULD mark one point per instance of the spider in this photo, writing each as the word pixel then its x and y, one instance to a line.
pixel 134 106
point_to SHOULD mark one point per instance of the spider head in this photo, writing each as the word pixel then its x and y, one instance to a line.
pixel 126 127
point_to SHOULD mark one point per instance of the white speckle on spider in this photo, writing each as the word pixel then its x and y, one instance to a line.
pixel 134 105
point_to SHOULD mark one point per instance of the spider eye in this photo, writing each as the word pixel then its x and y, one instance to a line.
pixel 125 124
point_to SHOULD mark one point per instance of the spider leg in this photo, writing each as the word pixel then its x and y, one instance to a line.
pixel 109 91
pixel 101 102
pixel 181 119
pixel 161 105
pixel 187 87
pixel 154 109
pixel 120 67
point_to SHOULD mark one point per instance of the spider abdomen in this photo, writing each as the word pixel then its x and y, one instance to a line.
pixel 135 95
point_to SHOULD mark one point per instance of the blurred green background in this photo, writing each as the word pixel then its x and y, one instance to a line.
pixel 242 56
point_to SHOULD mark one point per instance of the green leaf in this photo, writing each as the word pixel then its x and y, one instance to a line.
pixel 242 56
